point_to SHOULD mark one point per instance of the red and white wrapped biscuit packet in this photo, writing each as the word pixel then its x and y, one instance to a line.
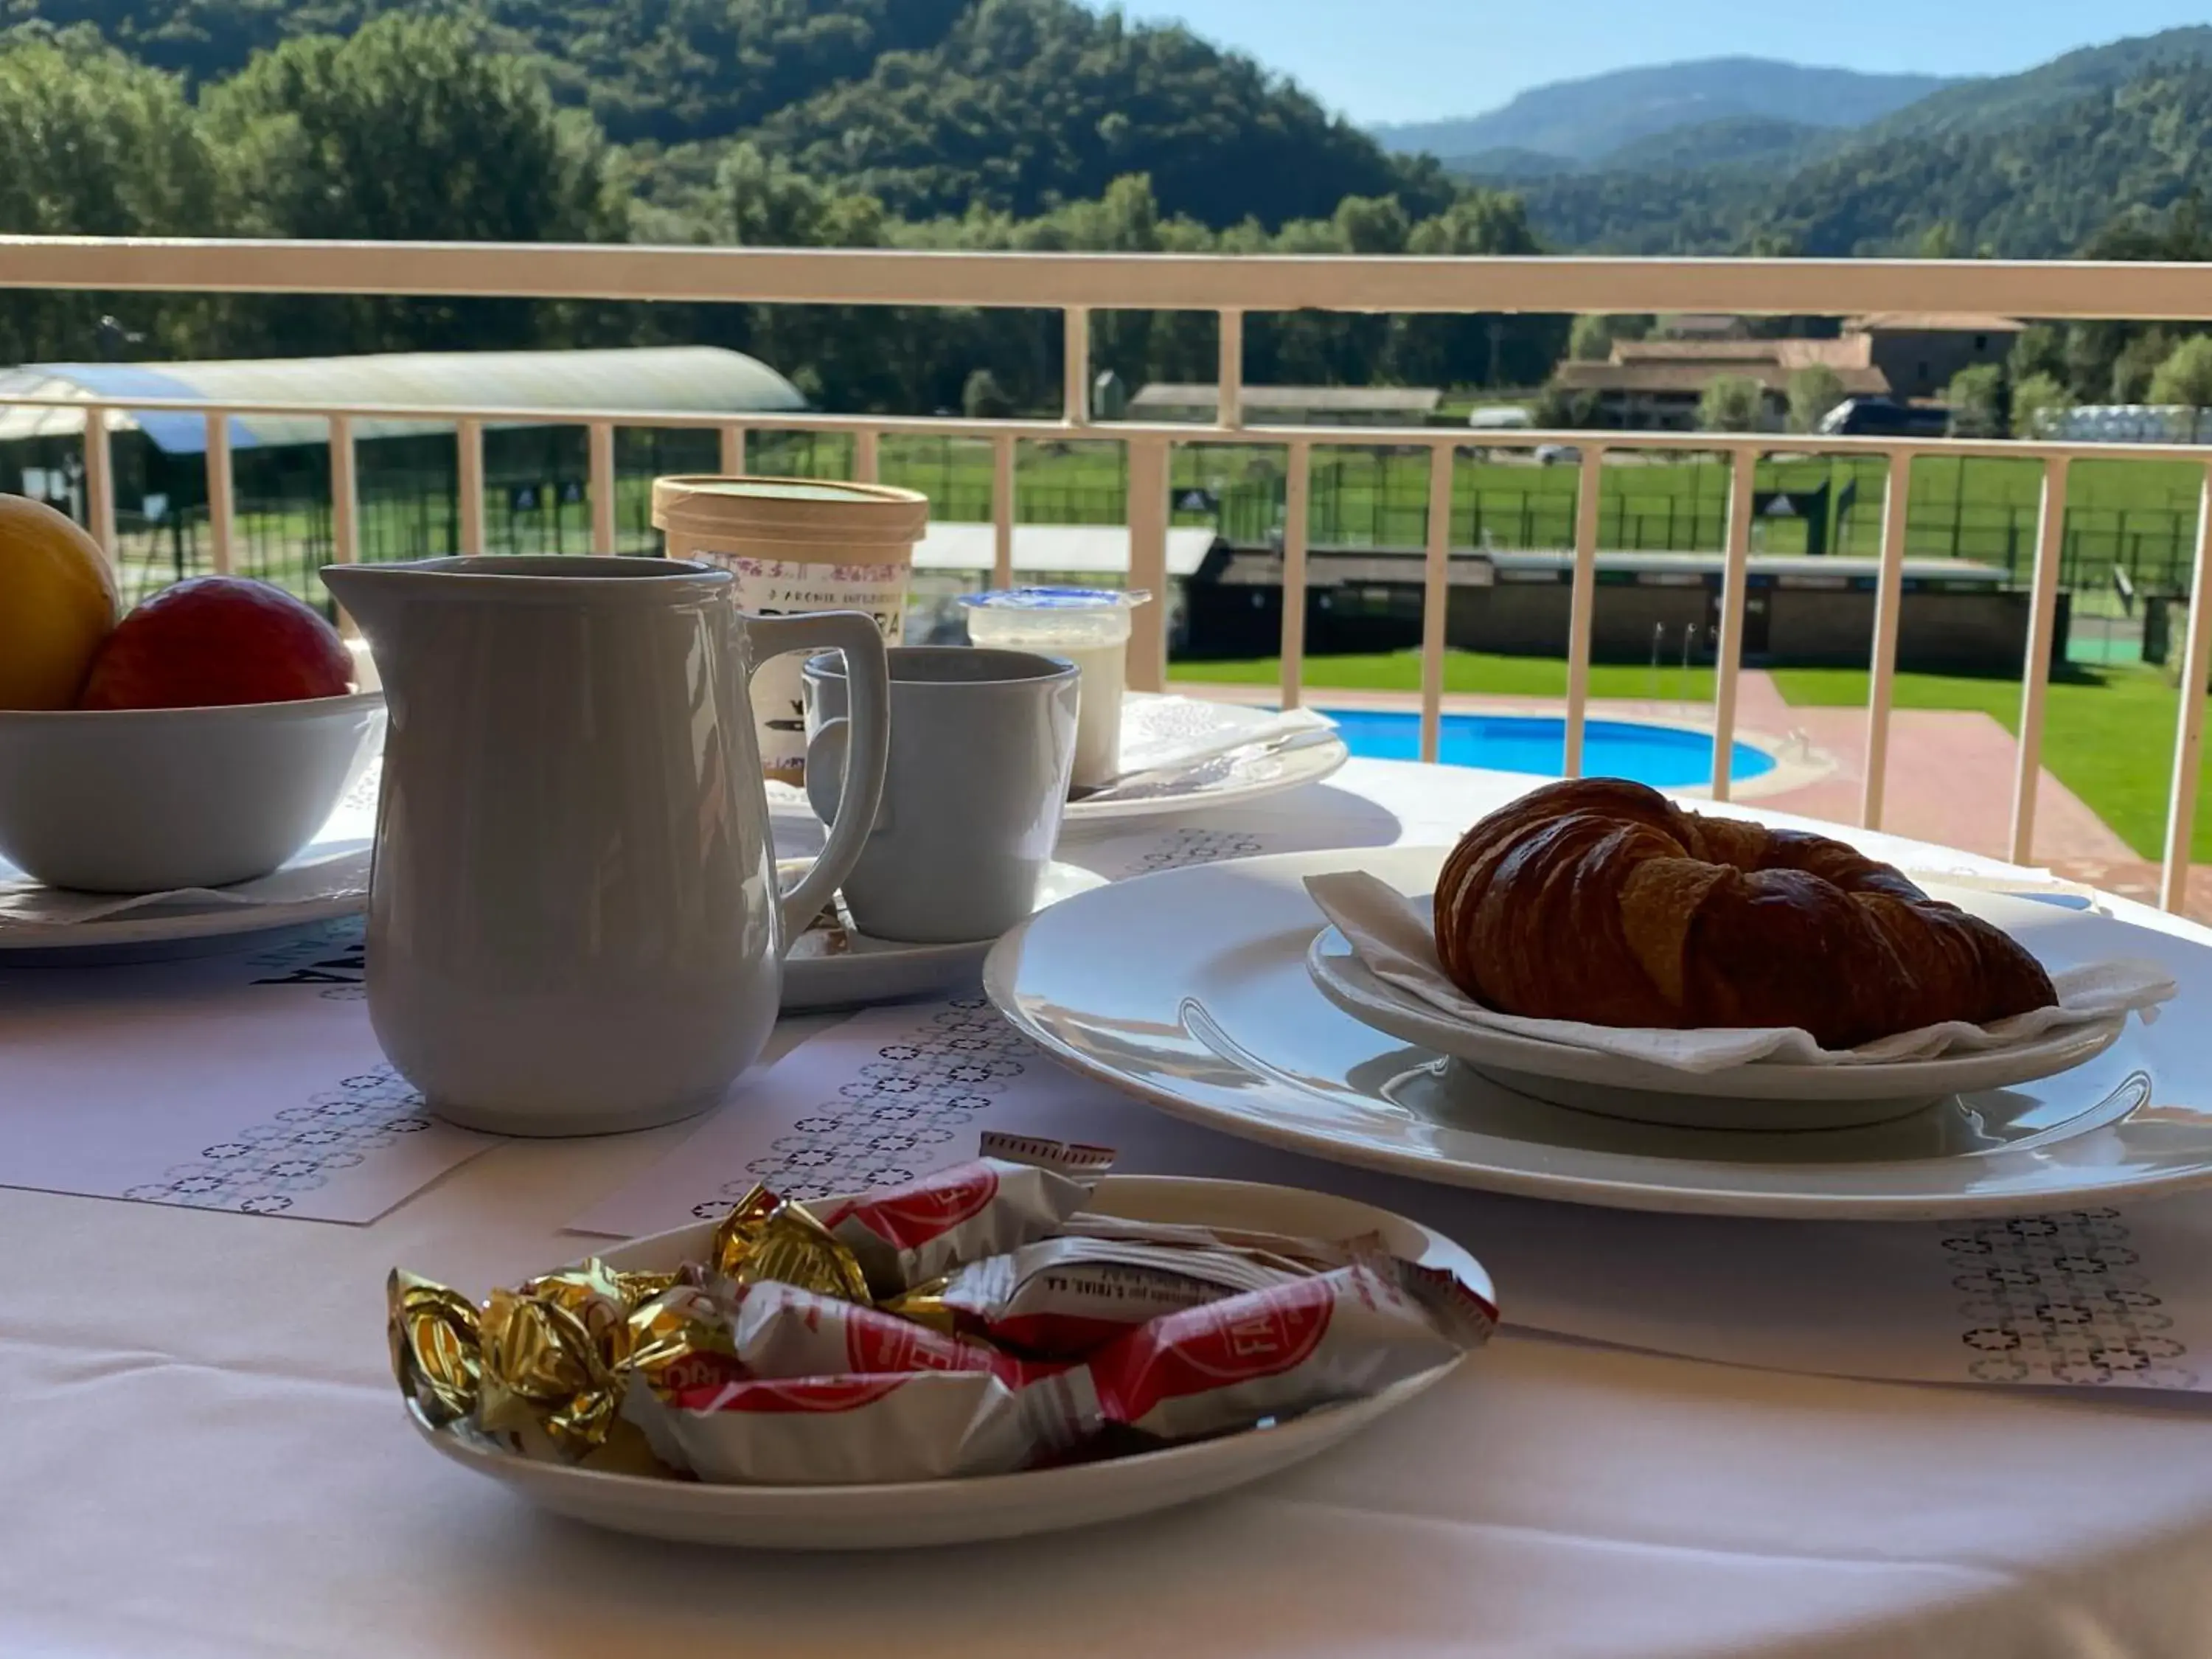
pixel 781 1331
pixel 842 1431
pixel 1020 1189
pixel 1340 1335
pixel 1065 1298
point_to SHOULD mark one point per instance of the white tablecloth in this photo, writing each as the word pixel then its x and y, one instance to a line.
pixel 202 1454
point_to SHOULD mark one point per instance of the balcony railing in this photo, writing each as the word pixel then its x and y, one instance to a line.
pixel 1229 286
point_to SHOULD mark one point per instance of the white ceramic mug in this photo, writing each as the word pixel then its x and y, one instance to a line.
pixel 972 802
pixel 574 925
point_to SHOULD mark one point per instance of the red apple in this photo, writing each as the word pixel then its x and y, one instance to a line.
pixel 217 639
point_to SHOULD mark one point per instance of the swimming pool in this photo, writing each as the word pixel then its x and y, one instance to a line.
pixel 1657 755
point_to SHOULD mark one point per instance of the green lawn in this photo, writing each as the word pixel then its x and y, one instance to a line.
pixel 2141 514
pixel 1464 670
pixel 2108 733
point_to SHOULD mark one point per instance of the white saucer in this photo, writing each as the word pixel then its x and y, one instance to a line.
pixel 1767 1095
pixel 1229 780
pixel 834 965
pixel 996 1506
pixel 326 879
pixel 1190 989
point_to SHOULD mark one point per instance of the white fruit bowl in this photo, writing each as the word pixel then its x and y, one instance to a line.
pixel 146 800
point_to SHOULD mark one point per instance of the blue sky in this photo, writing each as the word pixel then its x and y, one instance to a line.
pixel 1414 60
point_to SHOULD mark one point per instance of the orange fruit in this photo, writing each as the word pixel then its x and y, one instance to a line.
pixel 57 603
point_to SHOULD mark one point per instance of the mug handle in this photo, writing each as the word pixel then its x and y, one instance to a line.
pixel 854 635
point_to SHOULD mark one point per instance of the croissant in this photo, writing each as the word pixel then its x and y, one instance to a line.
pixel 1599 900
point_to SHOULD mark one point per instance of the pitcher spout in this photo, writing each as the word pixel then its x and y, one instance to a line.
pixel 366 592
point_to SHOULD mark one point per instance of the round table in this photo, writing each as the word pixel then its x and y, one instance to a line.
pixel 202 1454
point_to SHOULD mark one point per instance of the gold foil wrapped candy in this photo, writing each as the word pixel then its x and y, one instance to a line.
pixel 545 1367
pixel 603 1298
pixel 542 1371
pixel 436 1353
pixel 769 1237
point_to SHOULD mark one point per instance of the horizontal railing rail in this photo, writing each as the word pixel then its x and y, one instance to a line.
pixel 1230 283
pixel 1232 288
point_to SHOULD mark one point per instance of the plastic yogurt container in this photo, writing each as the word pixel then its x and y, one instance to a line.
pixel 1088 626
pixel 796 544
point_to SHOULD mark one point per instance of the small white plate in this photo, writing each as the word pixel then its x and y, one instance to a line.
pixel 1228 780
pixel 1189 990
pixel 835 965
pixel 931 1512
pixel 1767 1095
pixel 326 879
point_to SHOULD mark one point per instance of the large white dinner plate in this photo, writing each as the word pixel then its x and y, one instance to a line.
pixel 930 1512
pixel 1766 1094
pixel 834 965
pixel 1190 989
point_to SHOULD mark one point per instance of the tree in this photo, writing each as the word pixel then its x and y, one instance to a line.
pixel 1977 397
pixel 2037 401
pixel 1814 391
pixel 2039 349
pixel 409 129
pixel 983 399
pixel 1556 408
pixel 94 144
pixel 1732 402
pixel 2137 364
pixel 2186 378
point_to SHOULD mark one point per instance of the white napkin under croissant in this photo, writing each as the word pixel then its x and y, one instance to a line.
pixel 1394 937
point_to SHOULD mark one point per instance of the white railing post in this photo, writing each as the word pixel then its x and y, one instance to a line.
pixel 99 482
pixel 603 486
pixel 1148 563
pixel 345 507
pixel 733 451
pixel 469 479
pixel 1736 578
pixel 1297 518
pixel 1888 602
pixel 1582 603
pixel 1231 407
pixel 1002 511
pixel 867 455
pixel 1436 598
pixel 222 506
pixel 2035 673
pixel 1075 366
pixel 2189 737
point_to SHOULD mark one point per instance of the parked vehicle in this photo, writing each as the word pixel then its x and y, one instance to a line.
pixel 1886 418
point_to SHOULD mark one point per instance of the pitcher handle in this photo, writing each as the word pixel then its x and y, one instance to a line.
pixel 854 635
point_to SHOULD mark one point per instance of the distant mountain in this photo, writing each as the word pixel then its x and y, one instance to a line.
pixel 2039 188
pixel 1508 166
pixel 1762 141
pixel 1587 121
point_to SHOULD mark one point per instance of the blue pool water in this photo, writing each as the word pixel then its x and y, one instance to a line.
pixel 1656 755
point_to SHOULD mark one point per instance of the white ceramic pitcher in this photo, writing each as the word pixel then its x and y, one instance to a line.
pixel 574 925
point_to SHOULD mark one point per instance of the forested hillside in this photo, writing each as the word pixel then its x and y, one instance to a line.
pixel 421 128
pixel 930 104
pixel 2026 165
pixel 2035 191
